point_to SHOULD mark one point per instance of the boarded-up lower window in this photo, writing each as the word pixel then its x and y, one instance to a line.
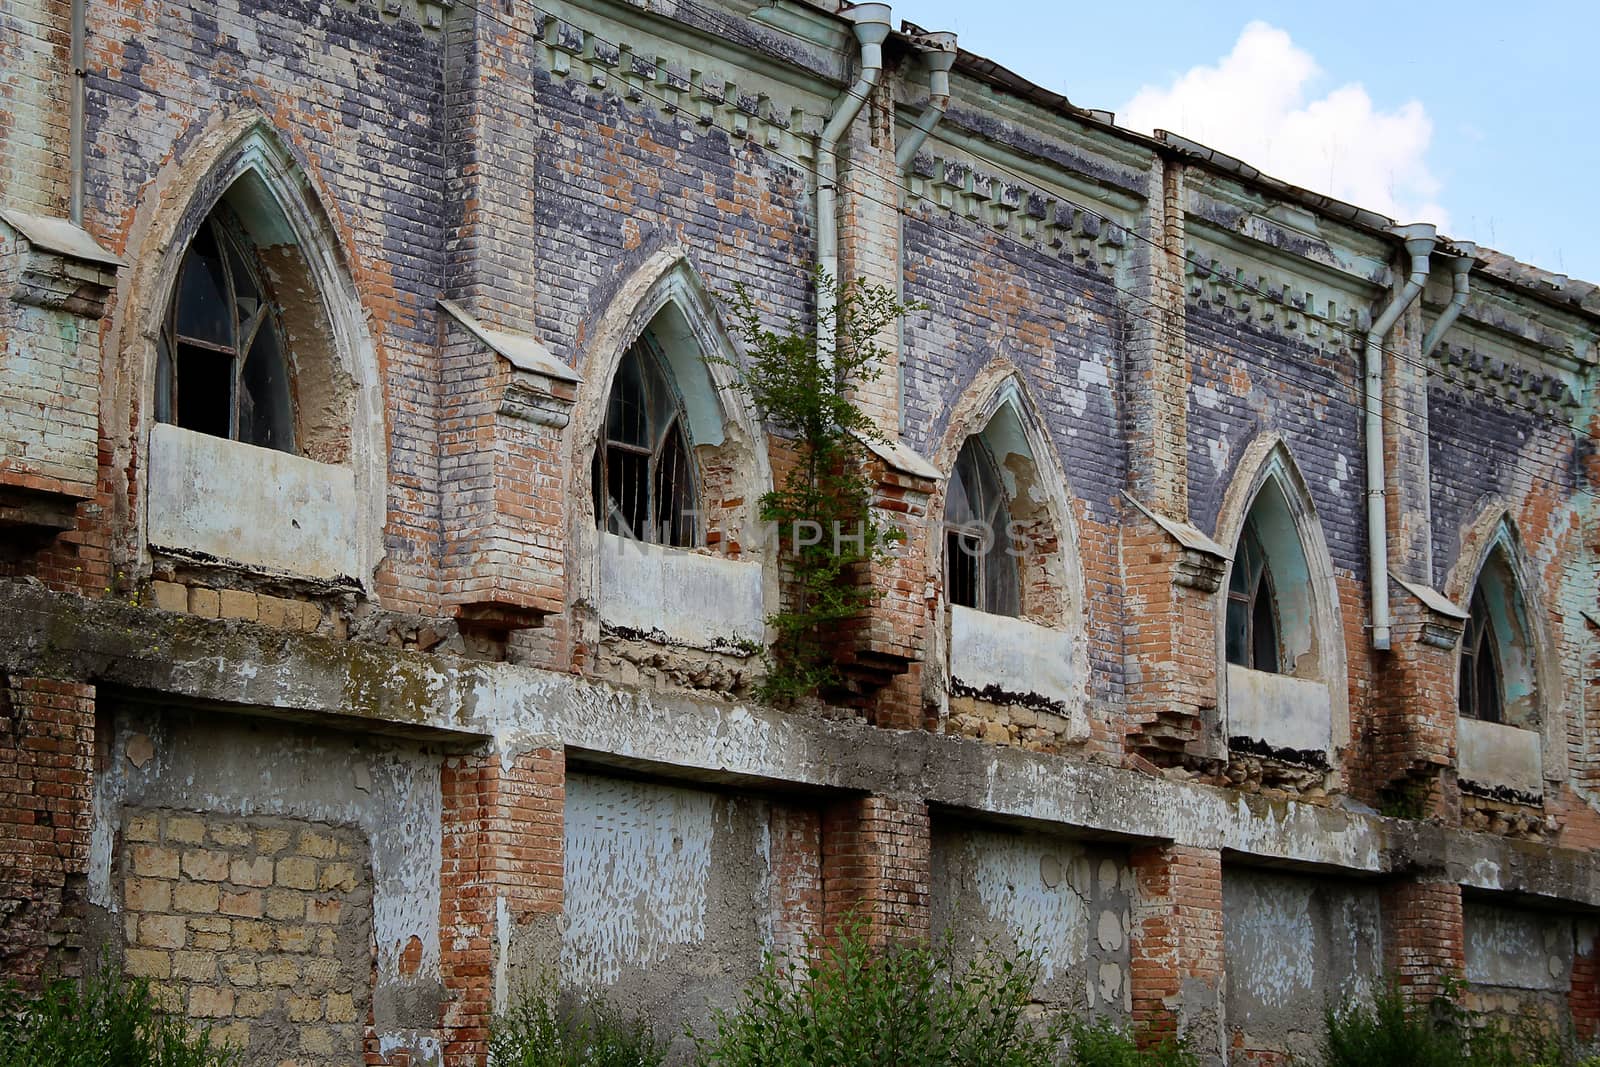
pixel 261 928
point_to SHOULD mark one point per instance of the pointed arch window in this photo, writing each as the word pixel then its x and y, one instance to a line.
pixel 1253 637
pixel 1480 690
pixel 644 484
pixel 980 568
pixel 221 366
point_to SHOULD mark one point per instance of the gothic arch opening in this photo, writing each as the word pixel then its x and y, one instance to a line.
pixel 255 369
pixel 1280 638
pixel 1003 553
pixel 665 536
pixel 1510 726
pixel 1005 544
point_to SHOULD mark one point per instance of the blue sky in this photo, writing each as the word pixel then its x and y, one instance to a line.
pixel 1479 118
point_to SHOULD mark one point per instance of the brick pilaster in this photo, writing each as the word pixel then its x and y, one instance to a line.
pixel 1157 361
pixel 1173 699
pixel 869 238
pixel 1176 944
pixel 1583 997
pixel 1405 445
pixel 1423 935
pixel 877 866
pixel 1414 711
pixel 883 648
pixel 46 773
pixel 1172 694
pixel 503 823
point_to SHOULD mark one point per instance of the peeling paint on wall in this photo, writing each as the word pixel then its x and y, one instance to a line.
pixel 638 860
pixel 1517 949
pixel 1295 944
pixel 1062 899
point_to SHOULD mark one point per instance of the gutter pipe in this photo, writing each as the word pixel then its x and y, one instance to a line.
pixel 1461 266
pixel 1420 239
pixel 871 29
pixel 940 55
pixel 75 120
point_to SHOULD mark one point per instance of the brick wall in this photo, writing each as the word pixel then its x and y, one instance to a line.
pixel 877 865
pixel 502 846
pixel 528 168
pixel 1583 1000
pixel 1058 321
pixel 46 768
pixel 1423 935
pixel 1176 943
pixel 34 84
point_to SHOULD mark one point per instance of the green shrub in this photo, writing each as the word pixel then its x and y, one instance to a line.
pixel 1438 1033
pixel 1392 1030
pixel 819 509
pixel 102 1020
pixel 851 1005
pixel 537 1032
pixel 1101 1044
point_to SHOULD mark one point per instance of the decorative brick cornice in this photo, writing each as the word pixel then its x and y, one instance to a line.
pixel 1282 302
pixel 1506 380
pixel 1025 212
pixel 644 73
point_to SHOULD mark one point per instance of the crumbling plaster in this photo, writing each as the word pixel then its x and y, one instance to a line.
pixel 464 704
pixel 1295 945
pixel 1065 901
pixel 669 894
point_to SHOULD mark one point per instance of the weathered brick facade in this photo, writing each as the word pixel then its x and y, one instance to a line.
pixel 346 798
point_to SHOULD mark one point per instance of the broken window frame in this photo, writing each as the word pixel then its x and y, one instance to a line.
pixel 253 338
pixel 667 455
pixel 980 568
pixel 1480 681
pixel 1252 599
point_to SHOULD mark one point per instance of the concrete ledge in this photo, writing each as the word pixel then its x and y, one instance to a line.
pixel 151 654
pixel 255 506
pixel 1287 714
pixel 1011 661
pixel 1494 756
pixel 678 596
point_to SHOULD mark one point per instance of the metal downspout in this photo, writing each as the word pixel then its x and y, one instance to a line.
pixel 871 28
pixel 940 55
pixel 1420 239
pixel 1461 265
pixel 939 52
pixel 75 120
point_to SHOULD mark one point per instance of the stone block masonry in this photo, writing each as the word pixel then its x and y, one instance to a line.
pixel 258 928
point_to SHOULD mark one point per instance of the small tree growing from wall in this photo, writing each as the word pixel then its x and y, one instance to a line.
pixel 820 510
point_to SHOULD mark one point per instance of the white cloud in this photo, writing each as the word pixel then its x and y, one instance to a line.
pixel 1255 104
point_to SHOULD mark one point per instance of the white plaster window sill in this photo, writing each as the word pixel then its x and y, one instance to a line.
pixel 254 506
pixel 1284 713
pixel 679 597
pixel 1011 661
pixel 1493 755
